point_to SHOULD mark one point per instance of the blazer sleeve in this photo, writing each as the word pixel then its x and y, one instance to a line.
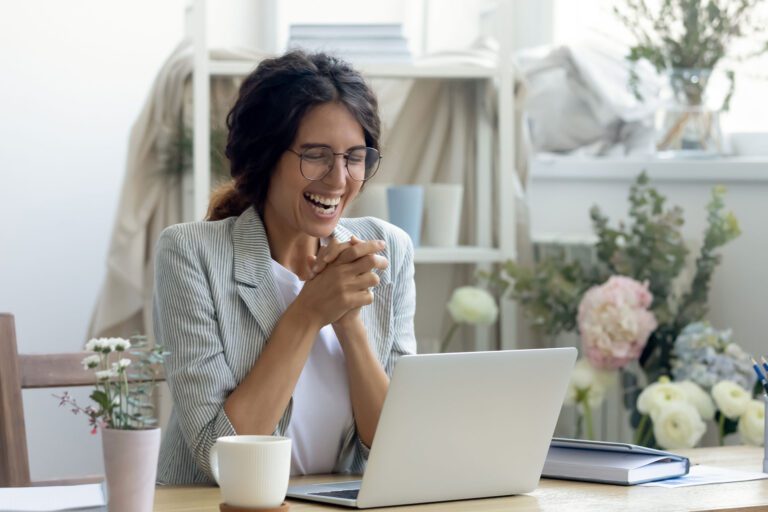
pixel 185 324
pixel 404 306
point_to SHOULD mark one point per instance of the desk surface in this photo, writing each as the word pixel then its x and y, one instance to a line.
pixel 553 495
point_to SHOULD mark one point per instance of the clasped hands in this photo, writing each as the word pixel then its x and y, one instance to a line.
pixel 340 281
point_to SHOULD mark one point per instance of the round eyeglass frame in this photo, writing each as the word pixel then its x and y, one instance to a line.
pixel 330 168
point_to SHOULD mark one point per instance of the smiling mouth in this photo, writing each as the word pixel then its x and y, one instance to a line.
pixel 323 205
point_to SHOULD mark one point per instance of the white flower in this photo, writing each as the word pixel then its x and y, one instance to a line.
pixel 587 378
pixel 91 361
pixel 98 345
pixel 105 375
pixel 123 363
pixel 730 398
pixel 472 305
pixel 119 344
pixel 699 398
pixel 658 395
pixel 678 425
pixel 752 423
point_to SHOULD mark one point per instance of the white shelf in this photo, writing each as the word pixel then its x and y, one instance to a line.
pixel 461 254
pixel 717 170
pixel 242 68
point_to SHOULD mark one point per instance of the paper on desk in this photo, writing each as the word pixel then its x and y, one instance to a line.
pixel 702 475
pixel 44 499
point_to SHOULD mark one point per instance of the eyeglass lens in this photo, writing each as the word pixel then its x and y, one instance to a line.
pixel 361 163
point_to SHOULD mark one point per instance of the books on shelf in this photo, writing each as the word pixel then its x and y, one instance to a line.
pixel 383 42
pixel 611 463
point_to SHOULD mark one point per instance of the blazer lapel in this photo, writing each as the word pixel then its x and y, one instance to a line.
pixel 252 270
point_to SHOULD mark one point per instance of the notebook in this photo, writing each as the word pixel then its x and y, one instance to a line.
pixel 610 463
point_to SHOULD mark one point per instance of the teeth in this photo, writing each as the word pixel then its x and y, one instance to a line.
pixel 327 201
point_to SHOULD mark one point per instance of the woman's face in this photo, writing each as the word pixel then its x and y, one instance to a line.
pixel 293 202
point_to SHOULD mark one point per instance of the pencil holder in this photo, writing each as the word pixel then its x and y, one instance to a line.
pixel 765 436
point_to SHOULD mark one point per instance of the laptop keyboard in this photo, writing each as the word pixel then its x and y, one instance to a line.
pixel 349 494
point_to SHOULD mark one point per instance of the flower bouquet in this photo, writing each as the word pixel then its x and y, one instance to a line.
pixel 631 306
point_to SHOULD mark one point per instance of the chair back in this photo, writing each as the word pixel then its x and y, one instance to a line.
pixel 27 371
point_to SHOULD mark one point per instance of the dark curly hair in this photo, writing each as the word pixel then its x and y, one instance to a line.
pixel 264 121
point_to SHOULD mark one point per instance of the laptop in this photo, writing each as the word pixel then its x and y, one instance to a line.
pixel 459 426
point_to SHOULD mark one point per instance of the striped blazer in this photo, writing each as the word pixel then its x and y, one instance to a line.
pixel 216 303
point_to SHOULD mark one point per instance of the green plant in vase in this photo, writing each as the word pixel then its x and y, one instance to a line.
pixel 687 40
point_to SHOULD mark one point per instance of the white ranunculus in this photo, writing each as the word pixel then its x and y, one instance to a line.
pixel 752 423
pixel 730 398
pixel 678 425
pixel 473 305
pixel 699 398
pixel 91 361
pixel 586 378
pixel 658 395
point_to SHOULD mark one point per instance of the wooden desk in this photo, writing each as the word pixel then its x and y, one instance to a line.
pixel 554 495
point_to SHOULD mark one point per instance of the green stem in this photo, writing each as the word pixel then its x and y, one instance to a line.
pixel 640 432
pixel 588 421
pixel 448 337
pixel 721 429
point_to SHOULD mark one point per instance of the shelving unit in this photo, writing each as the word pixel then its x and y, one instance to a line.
pixel 491 187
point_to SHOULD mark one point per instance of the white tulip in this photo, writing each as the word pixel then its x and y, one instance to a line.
pixel 678 425
pixel 658 395
pixel 473 305
pixel 730 398
pixel 752 423
pixel 699 399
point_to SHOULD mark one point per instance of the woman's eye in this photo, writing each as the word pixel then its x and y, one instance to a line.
pixel 314 154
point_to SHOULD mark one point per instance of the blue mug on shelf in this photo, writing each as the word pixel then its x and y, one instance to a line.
pixel 406 209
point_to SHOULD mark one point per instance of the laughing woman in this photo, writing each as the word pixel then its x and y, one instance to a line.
pixel 280 316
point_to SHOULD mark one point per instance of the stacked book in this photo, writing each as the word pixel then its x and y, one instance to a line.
pixel 359 43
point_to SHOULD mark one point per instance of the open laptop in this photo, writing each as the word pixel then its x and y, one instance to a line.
pixel 459 426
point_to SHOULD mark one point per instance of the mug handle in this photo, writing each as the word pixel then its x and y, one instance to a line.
pixel 213 458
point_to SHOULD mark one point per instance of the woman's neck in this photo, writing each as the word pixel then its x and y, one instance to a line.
pixel 290 249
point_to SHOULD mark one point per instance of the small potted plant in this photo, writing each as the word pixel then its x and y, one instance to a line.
pixel 687 40
pixel 125 374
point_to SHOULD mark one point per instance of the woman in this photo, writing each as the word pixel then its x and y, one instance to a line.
pixel 270 330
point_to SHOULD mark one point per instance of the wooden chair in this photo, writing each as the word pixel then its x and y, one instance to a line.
pixel 20 371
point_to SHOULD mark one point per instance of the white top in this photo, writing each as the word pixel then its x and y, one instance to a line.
pixel 322 411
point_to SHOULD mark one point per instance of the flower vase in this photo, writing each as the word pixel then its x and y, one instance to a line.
pixel 130 464
pixel 686 125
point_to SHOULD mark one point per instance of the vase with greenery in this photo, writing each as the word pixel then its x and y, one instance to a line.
pixel 649 248
pixel 687 40
pixel 125 374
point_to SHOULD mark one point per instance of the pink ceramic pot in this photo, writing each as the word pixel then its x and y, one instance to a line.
pixel 130 464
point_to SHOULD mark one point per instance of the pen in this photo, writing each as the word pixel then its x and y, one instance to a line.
pixel 760 375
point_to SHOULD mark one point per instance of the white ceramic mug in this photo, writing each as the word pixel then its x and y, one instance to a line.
pixel 252 471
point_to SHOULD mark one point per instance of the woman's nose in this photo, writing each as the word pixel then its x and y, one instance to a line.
pixel 338 174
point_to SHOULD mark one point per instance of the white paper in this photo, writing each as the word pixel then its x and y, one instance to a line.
pixel 703 475
pixel 43 499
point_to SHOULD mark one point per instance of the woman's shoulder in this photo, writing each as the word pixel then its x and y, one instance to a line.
pixel 197 233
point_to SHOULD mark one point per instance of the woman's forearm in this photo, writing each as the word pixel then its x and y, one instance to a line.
pixel 368 382
pixel 259 401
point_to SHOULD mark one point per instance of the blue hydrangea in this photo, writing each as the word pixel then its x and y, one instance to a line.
pixel 706 356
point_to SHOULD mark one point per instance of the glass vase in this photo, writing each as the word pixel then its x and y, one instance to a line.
pixel 686 124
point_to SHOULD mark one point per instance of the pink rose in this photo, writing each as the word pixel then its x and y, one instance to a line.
pixel 614 322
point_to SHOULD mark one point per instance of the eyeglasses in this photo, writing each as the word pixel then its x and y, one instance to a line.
pixel 317 162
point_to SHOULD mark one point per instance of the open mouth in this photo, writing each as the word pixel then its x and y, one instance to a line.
pixel 323 205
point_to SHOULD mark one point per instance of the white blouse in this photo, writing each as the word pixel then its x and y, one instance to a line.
pixel 322 411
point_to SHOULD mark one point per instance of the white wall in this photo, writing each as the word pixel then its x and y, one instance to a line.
pixel 74 77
